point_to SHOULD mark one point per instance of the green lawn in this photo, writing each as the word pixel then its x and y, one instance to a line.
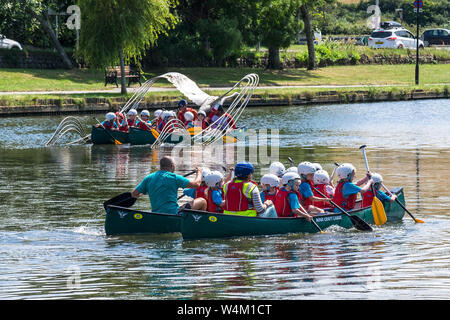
pixel 72 80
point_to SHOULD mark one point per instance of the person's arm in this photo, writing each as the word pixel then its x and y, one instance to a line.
pixel 197 181
pixel 136 194
pixel 257 203
pixel 366 186
pixel 297 208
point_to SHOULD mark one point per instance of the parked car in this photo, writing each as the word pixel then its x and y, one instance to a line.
pixel 393 38
pixel 8 43
pixel 436 36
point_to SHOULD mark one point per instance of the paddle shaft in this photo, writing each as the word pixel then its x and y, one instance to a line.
pixel 401 205
pixel 186 175
pixel 109 134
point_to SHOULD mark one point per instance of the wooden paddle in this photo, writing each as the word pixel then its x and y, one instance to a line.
pixel 401 205
pixel 357 222
pixel 109 134
pixel 379 214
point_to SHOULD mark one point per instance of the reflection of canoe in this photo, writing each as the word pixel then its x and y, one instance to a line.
pixel 140 136
pixel 121 220
pixel 100 136
pixel 199 224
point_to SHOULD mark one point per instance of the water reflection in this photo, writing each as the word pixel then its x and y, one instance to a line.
pixel 52 215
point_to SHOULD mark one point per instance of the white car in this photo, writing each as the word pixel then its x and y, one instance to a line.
pixel 8 43
pixel 393 38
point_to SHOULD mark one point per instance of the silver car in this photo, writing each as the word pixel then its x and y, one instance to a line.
pixel 8 43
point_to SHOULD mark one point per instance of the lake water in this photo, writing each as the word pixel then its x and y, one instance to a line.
pixel 53 244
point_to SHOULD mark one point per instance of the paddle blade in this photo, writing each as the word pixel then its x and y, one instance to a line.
pixel 360 224
pixel 117 141
pixel 419 221
pixel 379 214
pixel 121 200
pixel 229 139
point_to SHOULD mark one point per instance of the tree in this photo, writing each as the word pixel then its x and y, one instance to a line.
pixel 278 27
pixel 309 8
pixel 118 31
pixel 36 9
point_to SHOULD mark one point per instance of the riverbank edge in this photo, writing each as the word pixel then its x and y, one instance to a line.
pixel 270 98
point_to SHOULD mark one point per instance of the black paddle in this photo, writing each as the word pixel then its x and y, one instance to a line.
pixel 357 222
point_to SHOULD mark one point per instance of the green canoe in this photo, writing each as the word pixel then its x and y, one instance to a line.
pixel 100 136
pixel 121 220
pixel 201 225
pixel 140 136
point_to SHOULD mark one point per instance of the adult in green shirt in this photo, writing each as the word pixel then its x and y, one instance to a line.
pixel 162 188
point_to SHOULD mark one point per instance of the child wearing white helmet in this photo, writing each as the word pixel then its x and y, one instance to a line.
pixel 145 123
pixel 110 122
pixel 201 120
pixel 129 121
pixel 367 197
pixel 199 192
pixel 324 185
pixel 189 119
pixel 346 191
pixel 214 195
pixel 287 200
pixel 270 184
pixel 277 168
pixel 306 170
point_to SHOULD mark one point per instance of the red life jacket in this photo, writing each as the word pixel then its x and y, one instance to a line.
pixel 271 197
pixel 307 202
pixel 200 192
pixel 367 198
pixel 211 206
pixel 108 125
pixel 282 205
pixel 142 125
pixel 235 200
pixel 340 200
pixel 180 114
pixel 323 189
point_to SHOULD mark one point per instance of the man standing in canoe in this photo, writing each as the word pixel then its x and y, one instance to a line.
pixel 162 188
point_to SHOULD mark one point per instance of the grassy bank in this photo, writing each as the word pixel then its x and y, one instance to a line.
pixel 20 80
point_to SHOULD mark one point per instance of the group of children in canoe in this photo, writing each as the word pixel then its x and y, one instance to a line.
pixel 302 191
pixel 189 117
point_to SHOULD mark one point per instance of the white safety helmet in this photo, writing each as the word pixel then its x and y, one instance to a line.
pixel 321 177
pixel 317 166
pixel 205 172
pixel 132 112
pixel 188 116
pixel 277 168
pixel 145 113
pixel 270 179
pixel 377 178
pixel 213 178
pixel 110 116
pixel 202 113
pixel 157 113
pixel 166 114
pixel 291 169
pixel 344 171
pixel 172 114
pixel 305 168
pixel 288 177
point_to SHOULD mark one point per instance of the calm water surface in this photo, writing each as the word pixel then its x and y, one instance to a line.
pixel 53 245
